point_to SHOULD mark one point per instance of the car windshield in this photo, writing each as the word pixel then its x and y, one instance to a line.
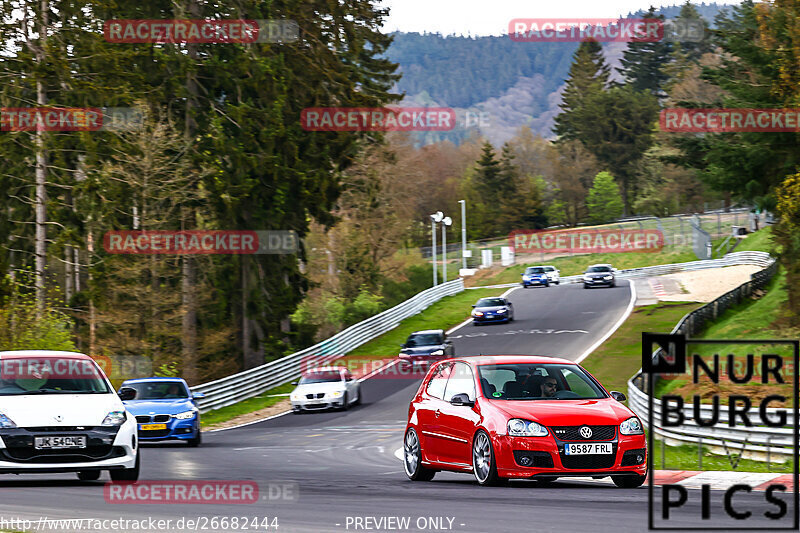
pixel 527 381
pixel 159 390
pixel 534 270
pixel 599 269
pixel 51 375
pixel 328 376
pixel 490 302
pixel 424 339
pixel 549 269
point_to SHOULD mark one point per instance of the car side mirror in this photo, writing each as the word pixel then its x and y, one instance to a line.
pixel 403 345
pixel 127 393
pixel 618 396
pixel 294 383
pixel 474 306
pixel 462 399
pixel 198 396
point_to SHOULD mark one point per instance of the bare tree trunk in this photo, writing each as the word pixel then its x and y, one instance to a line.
pixel 245 319
pixel 189 326
pixel 68 274
pixel 92 310
pixel 40 248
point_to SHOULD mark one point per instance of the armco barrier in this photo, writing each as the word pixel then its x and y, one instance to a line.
pixel 762 443
pixel 238 387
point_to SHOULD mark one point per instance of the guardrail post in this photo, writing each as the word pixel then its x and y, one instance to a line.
pixel 700 453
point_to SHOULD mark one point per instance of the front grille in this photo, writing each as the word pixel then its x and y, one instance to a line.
pixel 317 395
pixel 152 433
pixel 629 458
pixel 589 462
pixel 90 453
pixel 46 429
pixel 161 418
pixel 574 432
pixel 143 419
pixel 533 459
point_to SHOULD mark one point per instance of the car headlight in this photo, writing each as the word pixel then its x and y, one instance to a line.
pixel 607 277
pixel 114 418
pixel 502 311
pixel 6 423
pixel 296 396
pixel 477 313
pixel 587 278
pixel 186 415
pixel 518 427
pixel 437 352
pixel 631 426
pixel 335 394
pixel 526 278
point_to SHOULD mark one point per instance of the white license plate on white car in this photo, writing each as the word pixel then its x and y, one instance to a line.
pixel 59 442
pixel 588 449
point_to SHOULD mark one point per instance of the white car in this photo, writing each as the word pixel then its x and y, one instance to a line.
pixel 325 388
pixel 60 413
pixel 553 274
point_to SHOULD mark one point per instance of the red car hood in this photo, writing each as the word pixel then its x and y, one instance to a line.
pixel 603 412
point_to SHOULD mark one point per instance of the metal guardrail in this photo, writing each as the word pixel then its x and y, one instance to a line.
pixel 734 259
pixel 761 442
pixel 244 385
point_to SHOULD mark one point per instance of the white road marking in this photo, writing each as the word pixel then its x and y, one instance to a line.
pixel 616 326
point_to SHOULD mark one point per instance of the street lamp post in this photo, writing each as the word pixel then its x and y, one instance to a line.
pixel 463 233
pixel 436 217
pixel 446 222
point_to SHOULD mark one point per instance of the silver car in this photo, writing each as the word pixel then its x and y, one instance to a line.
pixel 325 388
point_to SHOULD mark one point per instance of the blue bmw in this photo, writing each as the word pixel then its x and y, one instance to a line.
pixel 164 409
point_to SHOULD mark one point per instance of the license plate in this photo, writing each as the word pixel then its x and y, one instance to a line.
pixel 151 427
pixel 588 449
pixel 58 442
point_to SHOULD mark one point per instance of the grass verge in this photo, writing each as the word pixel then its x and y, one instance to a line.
pixel 686 457
pixel 256 403
pixel 620 357
pixel 444 314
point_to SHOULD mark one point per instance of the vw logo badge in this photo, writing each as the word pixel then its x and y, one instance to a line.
pixel 586 432
pixel 58 418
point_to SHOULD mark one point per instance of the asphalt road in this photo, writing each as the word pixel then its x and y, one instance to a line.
pixel 337 471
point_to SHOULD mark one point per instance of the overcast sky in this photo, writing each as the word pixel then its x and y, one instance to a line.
pixel 491 17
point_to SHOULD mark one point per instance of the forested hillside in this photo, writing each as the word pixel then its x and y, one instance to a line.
pixel 515 83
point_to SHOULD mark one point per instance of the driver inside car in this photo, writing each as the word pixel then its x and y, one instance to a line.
pixel 549 387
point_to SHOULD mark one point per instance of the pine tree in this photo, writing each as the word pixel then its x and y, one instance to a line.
pixel 588 74
pixel 604 202
pixel 643 63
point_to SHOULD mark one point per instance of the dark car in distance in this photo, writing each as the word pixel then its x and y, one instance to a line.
pixel 425 346
pixel 599 276
pixel 495 309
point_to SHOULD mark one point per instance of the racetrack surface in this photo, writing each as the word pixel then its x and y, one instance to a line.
pixel 344 463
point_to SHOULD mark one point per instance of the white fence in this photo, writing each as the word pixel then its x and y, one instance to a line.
pixel 238 387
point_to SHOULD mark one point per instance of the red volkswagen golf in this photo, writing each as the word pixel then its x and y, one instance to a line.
pixel 521 417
